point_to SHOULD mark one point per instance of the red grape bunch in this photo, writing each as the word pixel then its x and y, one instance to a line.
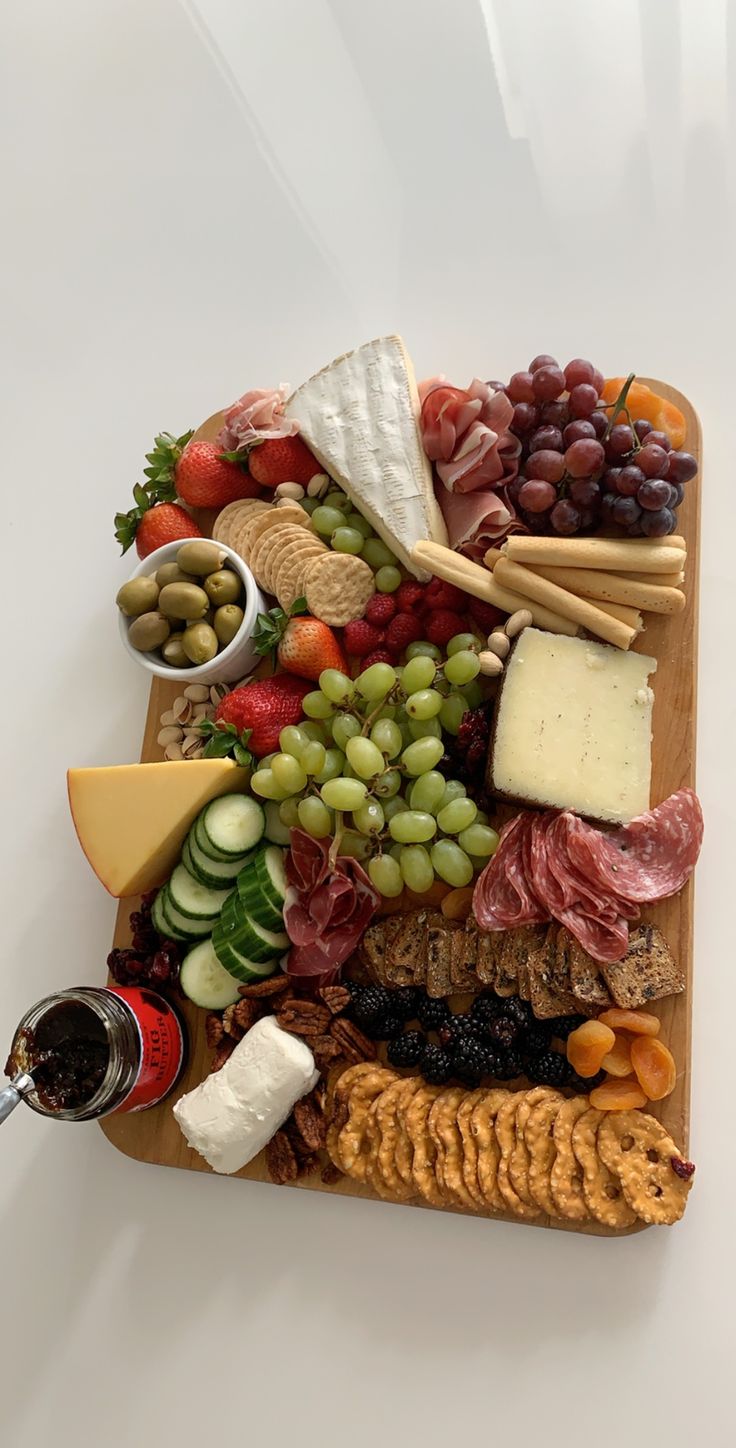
pixel 580 466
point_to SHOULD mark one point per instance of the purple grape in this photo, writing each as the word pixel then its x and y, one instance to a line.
pixel 620 442
pixel 537 496
pixel 526 417
pixel 585 491
pixel 629 480
pixel 658 525
pixel 653 460
pixel 520 388
pixel 654 494
pixel 607 502
pixel 610 479
pixel 588 517
pixel 548 383
pixel 565 517
pixel 625 511
pixel 599 422
pixel 543 360
pixel 576 431
pixel 579 371
pixel 583 400
pixel 584 457
pixel 549 438
pixel 555 413
pixel 677 493
pixel 681 467
pixel 660 438
pixel 546 464
pixel 513 490
pixel 642 428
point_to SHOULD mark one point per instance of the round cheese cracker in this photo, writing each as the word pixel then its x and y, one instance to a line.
pixel 253 527
pixel 285 540
pixel 337 587
pixel 289 570
pixel 232 516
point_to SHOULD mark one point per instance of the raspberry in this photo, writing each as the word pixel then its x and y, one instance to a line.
pixel 379 656
pixel 361 638
pixel 441 625
pixel 403 630
pixel 409 595
pixel 380 609
pixel 484 615
pixel 439 594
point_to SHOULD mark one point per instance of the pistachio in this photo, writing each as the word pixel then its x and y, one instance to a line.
pixel 499 643
pixel 193 750
pixel 318 485
pixel 289 490
pixel 197 693
pixel 218 693
pixel 170 734
pixel 182 710
pixel 490 664
pixel 173 751
pixel 168 717
pixel 200 711
pixel 519 620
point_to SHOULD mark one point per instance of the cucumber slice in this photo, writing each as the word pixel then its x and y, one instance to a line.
pixel 233 823
pixel 215 873
pixel 163 924
pixel 157 913
pixel 249 938
pixel 276 830
pixel 204 979
pixel 197 833
pixel 262 888
pixel 193 899
pixel 183 927
pixel 237 964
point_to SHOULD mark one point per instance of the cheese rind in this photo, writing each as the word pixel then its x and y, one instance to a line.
pixel 360 417
pixel 234 1112
pixel 573 727
pixel 131 819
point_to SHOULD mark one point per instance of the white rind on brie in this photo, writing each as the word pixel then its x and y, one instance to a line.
pixel 360 417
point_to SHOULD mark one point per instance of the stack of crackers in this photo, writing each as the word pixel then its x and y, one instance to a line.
pixel 532 1153
pixel 543 964
pixel 288 559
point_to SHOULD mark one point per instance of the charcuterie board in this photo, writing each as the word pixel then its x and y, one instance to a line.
pixel 154 1136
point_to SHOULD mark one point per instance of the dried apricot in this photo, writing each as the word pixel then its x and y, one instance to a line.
pixel 638 1022
pixel 587 1046
pixel 393 904
pixel 654 1066
pixel 617 1095
pixel 642 402
pixel 458 904
pixel 433 896
pixel 618 1060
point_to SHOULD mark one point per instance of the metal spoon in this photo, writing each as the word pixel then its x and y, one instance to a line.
pixel 14 1092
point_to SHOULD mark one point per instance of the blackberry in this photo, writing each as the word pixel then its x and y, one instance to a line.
pixel 519 1011
pixel 386 1027
pixel 485 1008
pixel 535 1042
pixel 551 1069
pixel 469 1061
pixel 435 1065
pixel 583 1084
pixel 503 1031
pixel 368 1005
pixel 431 1013
pixel 561 1026
pixel 457 1028
pixel 509 1065
pixel 404 1002
pixel 407 1049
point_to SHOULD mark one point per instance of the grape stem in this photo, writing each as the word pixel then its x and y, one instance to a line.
pixel 372 717
pixel 336 840
pixel 620 405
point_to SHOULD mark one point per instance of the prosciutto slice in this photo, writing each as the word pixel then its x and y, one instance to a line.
pixel 476 520
pixel 328 908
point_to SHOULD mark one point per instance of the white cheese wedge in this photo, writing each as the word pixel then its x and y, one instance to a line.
pixel 573 727
pixel 360 417
pixel 234 1113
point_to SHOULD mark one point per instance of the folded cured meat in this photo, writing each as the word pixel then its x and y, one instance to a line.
pixel 328 906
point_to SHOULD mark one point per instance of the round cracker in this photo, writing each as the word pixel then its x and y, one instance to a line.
pixel 639 1152
pixel 253 527
pixel 263 551
pixel 337 587
pixel 286 540
pixel 232 515
pixel 602 1189
pixel 290 569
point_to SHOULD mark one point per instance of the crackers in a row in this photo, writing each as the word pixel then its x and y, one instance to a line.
pixel 289 560
pixel 532 1153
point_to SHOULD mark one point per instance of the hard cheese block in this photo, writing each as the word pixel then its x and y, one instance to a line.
pixel 131 819
pixel 360 418
pixel 573 727
pixel 234 1113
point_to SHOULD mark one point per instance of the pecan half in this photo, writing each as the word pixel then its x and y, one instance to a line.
pixel 330 1174
pixel 310 1123
pixel 354 1046
pixel 303 1018
pixel 223 1053
pixel 325 1051
pixel 213 1029
pixel 273 985
pixel 335 997
pixel 281 1159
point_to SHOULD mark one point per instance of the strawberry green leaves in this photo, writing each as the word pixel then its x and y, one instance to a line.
pixel 159 488
pixel 271 627
pixel 224 741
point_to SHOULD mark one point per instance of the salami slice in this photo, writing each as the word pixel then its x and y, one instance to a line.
pixel 649 859
pixel 604 938
pixel 503 898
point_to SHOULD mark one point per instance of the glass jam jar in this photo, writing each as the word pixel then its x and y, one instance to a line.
pixel 93 1050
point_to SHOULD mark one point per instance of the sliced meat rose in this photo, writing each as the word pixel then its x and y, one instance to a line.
pixel 328 907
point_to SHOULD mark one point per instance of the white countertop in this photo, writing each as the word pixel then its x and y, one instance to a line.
pixel 205 196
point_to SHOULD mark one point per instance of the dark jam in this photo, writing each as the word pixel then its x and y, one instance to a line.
pixel 67 1055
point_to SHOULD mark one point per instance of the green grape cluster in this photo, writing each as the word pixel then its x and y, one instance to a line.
pixel 337 521
pixel 364 765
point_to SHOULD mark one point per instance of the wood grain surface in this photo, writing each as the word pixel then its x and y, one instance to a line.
pixel 153 1136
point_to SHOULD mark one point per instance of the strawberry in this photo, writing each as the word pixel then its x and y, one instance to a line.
pixel 403 630
pixel 205 479
pixel 149 525
pixel 304 646
pixel 380 609
pixel 484 615
pixel 439 594
pixel 282 460
pixel 379 656
pixel 360 638
pixel 442 624
pixel 258 712
pixel 409 595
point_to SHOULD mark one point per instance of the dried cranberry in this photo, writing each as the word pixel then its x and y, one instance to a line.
pixel 684 1169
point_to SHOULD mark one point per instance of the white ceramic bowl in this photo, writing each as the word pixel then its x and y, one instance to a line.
pixel 231 663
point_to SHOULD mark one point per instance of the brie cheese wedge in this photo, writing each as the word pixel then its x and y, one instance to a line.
pixel 234 1112
pixel 360 417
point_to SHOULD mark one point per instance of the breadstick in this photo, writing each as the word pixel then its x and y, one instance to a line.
pixel 454 568
pixel 630 616
pixel 667 580
pixel 592 583
pixel 580 610
pixel 615 554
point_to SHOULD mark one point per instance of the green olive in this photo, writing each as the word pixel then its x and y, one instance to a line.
pixel 200 556
pixel 172 573
pixel 173 652
pixel 137 596
pixel 183 600
pixel 227 622
pixel 148 631
pixel 224 586
pixel 199 642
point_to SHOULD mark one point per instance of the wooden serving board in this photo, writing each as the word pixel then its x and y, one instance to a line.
pixel 153 1136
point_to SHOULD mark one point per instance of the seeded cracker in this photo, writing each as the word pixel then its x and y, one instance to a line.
pixel 640 1153
pixel 647 972
pixel 337 587
pixel 602 1190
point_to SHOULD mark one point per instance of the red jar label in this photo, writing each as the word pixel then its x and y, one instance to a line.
pixel 162 1047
